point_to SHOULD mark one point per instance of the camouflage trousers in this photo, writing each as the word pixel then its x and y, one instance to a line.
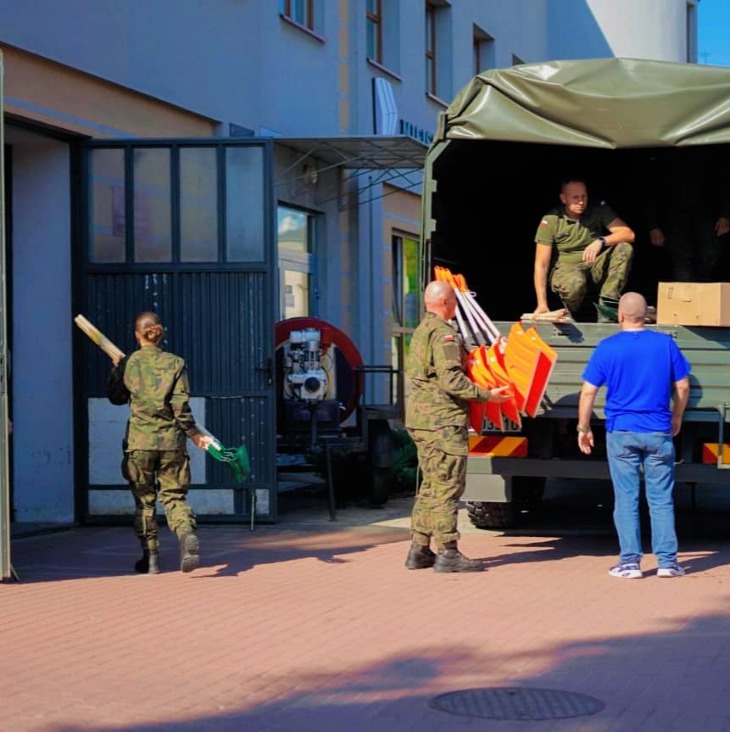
pixel 436 507
pixel 162 475
pixel 610 272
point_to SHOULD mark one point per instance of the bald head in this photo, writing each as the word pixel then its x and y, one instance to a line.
pixel 632 307
pixel 439 298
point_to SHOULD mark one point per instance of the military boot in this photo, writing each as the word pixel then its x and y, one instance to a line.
pixel 420 557
pixel 450 559
pixel 148 563
pixel 189 552
pixel 607 310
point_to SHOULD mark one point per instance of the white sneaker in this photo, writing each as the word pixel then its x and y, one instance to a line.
pixel 673 570
pixel 629 570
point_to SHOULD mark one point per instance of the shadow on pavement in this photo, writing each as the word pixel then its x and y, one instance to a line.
pixel 674 679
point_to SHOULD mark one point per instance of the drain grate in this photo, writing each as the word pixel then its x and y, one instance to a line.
pixel 516 703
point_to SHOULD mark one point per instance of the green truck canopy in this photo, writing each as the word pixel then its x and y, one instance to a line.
pixel 511 136
pixel 604 103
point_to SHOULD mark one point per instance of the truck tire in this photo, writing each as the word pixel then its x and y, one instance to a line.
pixel 489 515
pixel 527 494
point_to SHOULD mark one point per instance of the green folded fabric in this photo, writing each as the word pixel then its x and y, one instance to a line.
pixel 607 309
pixel 235 457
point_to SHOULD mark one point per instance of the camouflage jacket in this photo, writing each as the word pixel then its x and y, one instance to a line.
pixel 159 401
pixel 436 367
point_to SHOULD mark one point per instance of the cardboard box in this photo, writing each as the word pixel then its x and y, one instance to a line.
pixel 693 303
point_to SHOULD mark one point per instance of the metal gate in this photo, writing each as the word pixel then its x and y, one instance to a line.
pixel 184 228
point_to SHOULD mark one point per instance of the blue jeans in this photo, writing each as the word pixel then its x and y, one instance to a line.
pixel 628 452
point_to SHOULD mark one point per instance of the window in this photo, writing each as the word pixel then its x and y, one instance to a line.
pixel 374 21
pixel 306 14
pixel 245 204
pixel 198 205
pixel 438 46
pixel 382 23
pixel 296 261
pixel 300 11
pixel 152 197
pixel 484 55
pixel 108 206
pixel 155 204
pixel 406 309
pixel 691 33
pixel 430 49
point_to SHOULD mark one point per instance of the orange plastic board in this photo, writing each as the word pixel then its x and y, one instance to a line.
pixel 476 416
pixel 520 359
pixel 498 446
pixel 481 375
pixel 495 361
pixel 711 452
pixel 543 371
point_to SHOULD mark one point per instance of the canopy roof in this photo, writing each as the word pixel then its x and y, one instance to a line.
pixel 371 152
pixel 604 103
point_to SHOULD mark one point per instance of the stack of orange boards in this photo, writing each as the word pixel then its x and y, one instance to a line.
pixel 523 361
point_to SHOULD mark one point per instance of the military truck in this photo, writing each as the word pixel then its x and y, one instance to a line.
pixel 494 168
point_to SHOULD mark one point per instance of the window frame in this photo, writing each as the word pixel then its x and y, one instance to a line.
pixel 483 50
pixel 430 48
pixel 295 261
pixel 400 332
pixel 375 19
pixel 288 11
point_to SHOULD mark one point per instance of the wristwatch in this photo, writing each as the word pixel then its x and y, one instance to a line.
pixel 584 430
pixel 602 239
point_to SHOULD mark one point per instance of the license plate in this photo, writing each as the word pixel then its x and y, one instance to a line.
pixel 508 426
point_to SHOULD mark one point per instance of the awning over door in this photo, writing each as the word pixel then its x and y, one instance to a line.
pixel 373 152
pixel 394 158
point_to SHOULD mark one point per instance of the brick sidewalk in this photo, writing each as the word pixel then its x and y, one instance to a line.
pixel 312 628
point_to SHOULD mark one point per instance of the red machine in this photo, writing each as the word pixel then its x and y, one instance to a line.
pixel 320 379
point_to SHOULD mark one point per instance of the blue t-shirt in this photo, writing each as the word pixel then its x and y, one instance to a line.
pixel 639 369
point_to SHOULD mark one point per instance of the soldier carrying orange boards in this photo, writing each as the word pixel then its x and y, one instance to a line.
pixel 437 418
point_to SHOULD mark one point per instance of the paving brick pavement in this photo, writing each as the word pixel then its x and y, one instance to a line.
pixel 316 626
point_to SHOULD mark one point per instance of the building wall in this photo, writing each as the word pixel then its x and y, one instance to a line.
pixel 42 381
pixel 47 93
pixel 651 29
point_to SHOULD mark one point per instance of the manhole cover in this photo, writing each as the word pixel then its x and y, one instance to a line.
pixel 517 703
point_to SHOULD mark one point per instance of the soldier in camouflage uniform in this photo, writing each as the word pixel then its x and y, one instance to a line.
pixel 156 463
pixel 592 242
pixel 437 420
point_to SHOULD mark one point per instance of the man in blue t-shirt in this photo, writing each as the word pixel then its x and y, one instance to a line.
pixel 639 368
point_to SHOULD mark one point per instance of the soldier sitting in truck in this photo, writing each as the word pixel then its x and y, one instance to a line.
pixel 591 242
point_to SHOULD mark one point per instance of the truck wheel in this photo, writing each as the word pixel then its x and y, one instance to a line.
pixel 489 515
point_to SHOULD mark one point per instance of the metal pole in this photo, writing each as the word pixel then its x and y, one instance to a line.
pixel 6 568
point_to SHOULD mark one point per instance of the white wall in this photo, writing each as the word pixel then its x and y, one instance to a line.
pixel 651 29
pixel 42 385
